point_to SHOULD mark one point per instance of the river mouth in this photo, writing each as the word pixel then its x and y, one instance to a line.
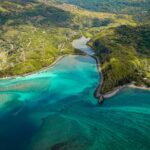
pixel 81 44
pixel 55 109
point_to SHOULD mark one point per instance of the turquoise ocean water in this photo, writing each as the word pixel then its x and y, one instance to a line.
pixel 56 110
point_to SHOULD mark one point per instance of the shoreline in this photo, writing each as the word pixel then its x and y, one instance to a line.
pixel 131 85
pixel 116 90
pixel 97 92
pixel 50 65
pixel 44 68
pixel 30 73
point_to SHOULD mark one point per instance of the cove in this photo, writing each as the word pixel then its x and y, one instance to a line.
pixel 55 110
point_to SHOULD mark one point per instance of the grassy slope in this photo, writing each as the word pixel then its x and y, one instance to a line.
pixel 35 32
pixel 32 36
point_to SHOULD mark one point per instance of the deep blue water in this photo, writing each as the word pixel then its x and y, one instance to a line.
pixel 56 110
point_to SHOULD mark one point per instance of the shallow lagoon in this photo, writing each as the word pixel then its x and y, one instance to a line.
pixel 55 110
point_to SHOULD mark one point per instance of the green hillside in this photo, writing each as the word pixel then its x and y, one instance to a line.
pixel 114 6
pixel 33 35
pixel 124 53
pixel 140 9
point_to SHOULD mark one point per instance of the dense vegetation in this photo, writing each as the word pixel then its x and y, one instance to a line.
pixel 139 9
pixel 113 6
pixel 138 36
pixel 125 55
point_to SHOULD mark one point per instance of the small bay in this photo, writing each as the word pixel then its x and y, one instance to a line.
pixel 55 109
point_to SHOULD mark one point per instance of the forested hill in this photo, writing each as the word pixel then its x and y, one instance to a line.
pixel 116 6
pixel 124 53
pixel 140 9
